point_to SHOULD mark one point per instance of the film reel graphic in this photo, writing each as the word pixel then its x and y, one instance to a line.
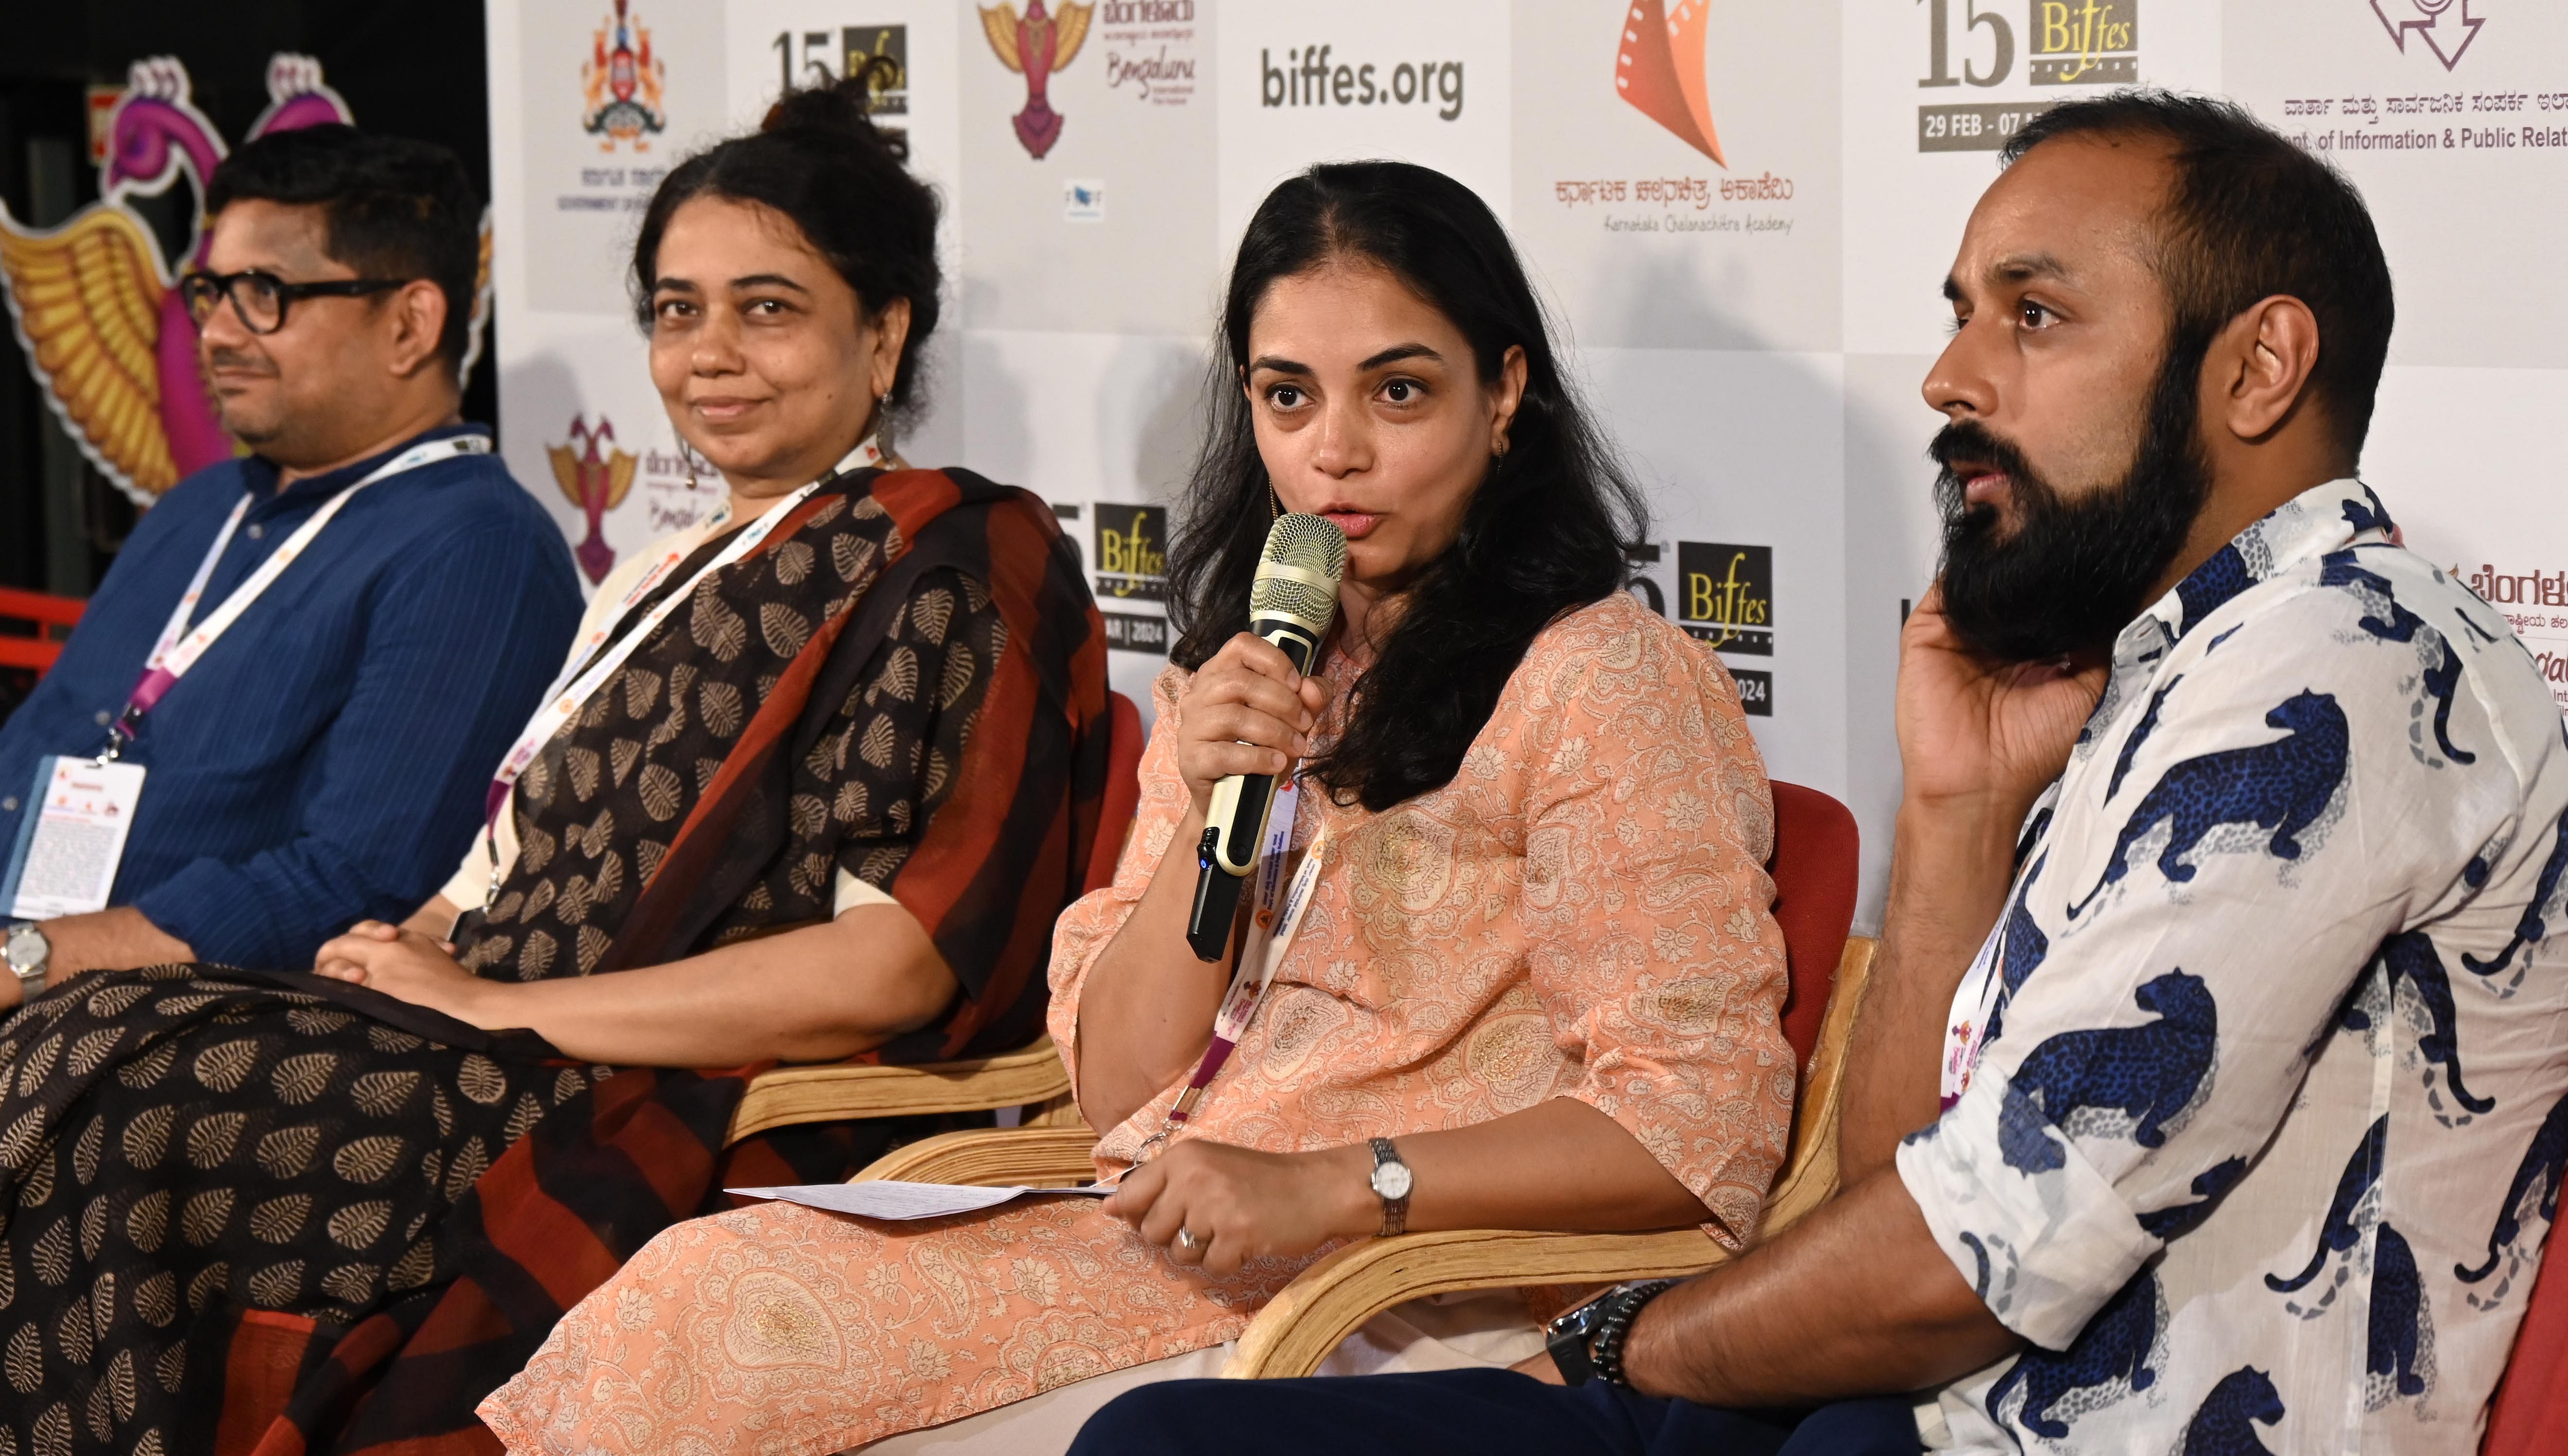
pixel 1659 70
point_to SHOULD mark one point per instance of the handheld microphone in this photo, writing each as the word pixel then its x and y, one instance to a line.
pixel 1291 604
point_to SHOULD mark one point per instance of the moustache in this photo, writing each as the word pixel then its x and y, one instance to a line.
pixel 1969 440
pixel 241 362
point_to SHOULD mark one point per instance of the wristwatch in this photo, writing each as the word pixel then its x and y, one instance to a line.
pixel 1588 1340
pixel 26 950
pixel 1391 1182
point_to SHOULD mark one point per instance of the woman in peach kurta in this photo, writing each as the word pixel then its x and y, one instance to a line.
pixel 1568 935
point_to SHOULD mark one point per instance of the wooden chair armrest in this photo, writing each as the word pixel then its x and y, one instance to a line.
pixel 1809 1175
pixel 989 1157
pixel 843 1091
pixel 1334 1297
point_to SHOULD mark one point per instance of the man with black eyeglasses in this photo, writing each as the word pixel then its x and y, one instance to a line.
pixel 282 710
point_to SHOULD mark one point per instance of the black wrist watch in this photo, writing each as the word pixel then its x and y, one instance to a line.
pixel 1588 1340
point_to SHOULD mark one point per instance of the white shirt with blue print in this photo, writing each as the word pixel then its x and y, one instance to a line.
pixel 2269 1124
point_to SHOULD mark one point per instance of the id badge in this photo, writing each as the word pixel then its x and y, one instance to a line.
pixel 73 838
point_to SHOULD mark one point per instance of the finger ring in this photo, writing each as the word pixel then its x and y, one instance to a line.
pixel 1188 1241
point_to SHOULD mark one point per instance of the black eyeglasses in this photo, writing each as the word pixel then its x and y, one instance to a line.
pixel 259 299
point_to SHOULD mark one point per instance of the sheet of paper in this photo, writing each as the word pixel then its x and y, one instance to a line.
pixel 77 820
pixel 885 1198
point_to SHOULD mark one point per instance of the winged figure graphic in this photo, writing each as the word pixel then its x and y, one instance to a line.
pixel 94 301
pixel 595 476
pixel 1038 45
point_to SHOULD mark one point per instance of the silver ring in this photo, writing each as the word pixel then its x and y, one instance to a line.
pixel 1188 1241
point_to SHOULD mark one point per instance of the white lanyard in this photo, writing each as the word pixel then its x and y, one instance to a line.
pixel 587 670
pixel 1275 917
pixel 1974 1004
pixel 179 646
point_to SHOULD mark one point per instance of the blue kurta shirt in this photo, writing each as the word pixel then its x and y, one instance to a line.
pixel 326 759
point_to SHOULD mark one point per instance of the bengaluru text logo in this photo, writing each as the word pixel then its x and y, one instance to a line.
pixel 1309 78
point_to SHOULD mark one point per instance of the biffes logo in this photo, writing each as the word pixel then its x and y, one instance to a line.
pixel 2446 26
pixel 1133 566
pixel 1132 553
pixel 623 85
pixel 2066 43
pixel 1726 600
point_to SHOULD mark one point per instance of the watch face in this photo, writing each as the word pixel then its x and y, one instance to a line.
pixel 1391 1180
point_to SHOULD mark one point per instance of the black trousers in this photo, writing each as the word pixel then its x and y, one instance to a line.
pixel 1471 1413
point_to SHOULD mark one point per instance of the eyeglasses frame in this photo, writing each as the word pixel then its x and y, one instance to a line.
pixel 286 293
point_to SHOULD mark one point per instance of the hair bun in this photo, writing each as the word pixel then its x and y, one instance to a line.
pixel 843 109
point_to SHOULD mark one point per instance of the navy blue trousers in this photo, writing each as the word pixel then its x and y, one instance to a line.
pixel 1471 1413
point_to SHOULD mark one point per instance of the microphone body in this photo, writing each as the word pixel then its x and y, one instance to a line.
pixel 1291 604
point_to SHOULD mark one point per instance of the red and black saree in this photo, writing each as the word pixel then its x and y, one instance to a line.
pixel 259 1211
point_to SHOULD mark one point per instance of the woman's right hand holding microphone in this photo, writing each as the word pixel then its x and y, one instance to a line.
pixel 1247 711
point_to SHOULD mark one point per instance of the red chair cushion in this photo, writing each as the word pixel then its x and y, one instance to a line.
pixel 1816 865
pixel 2530 1417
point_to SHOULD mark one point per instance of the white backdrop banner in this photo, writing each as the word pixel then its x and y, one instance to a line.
pixel 1740 214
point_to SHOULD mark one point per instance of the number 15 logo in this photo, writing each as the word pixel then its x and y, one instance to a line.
pixel 1939 45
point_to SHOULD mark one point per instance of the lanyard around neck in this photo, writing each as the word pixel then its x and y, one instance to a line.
pixel 1273 921
pixel 600 653
pixel 179 646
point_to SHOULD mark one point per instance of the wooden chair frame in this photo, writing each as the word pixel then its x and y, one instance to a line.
pixel 1336 1296
pixel 840 1091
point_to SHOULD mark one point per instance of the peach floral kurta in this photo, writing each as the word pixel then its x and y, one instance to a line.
pixel 1581 912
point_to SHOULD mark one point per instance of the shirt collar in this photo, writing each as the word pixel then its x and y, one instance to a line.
pixel 2324 518
pixel 260 474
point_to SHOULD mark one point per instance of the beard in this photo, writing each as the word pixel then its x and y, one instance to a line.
pixel 2074 571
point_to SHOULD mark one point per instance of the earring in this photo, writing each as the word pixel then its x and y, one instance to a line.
pixel 1274 503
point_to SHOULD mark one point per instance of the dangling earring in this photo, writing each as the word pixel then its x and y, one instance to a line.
pixel 1274 503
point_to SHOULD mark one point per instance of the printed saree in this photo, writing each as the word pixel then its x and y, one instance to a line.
pixel 247 1211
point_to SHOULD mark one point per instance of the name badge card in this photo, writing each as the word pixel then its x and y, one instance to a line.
pixel 73 837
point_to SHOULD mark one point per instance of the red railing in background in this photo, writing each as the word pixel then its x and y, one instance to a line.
pixel 45 614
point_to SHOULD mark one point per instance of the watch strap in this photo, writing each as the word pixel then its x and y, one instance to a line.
pixel 1616 1326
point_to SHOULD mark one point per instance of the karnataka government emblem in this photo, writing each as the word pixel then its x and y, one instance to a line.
pixel 622 82
pixel 1038 45
pixel 1659 70
pixel 595 476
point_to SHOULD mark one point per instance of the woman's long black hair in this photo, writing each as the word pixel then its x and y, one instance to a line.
pixel 1546 532
pixel 819 159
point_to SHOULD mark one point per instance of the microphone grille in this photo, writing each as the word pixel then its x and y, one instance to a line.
pixel 1302 546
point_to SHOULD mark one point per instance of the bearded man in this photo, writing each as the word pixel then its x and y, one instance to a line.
pixel 2211 1073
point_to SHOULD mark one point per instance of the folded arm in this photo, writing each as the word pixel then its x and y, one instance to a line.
pixel 818 994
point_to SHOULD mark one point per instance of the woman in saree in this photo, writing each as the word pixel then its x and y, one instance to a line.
pixel 821 775
pixel 1538 969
